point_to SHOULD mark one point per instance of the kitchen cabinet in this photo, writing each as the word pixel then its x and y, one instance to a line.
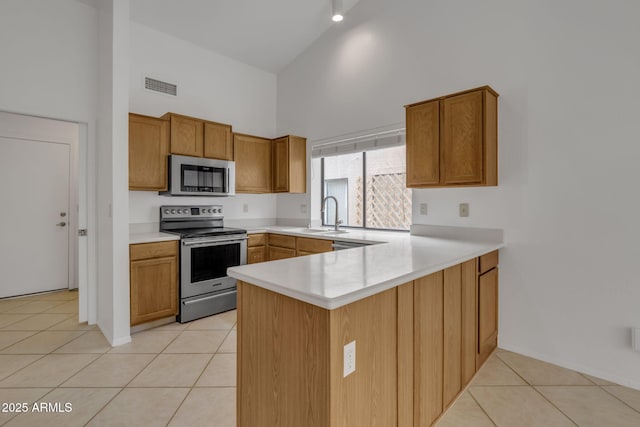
pixel 307 246
pixel 256 248
pixel 195 137
pixel 289 164
pixel 416 348
pixel 252 155
pixel 453 140
pixel 281 247
pixel 148 150
pixel 153 281
pixel 487 306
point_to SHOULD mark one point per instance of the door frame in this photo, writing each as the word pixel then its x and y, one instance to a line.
pixel 81 213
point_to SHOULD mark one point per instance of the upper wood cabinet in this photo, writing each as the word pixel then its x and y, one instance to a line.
pixel 253 163
pixel 199 138
pixel 217 141
pixel 453 140
pixel 290 164
pixel 148 150
pixel 187 135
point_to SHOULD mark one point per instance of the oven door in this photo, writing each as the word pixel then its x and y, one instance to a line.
pixel 204 262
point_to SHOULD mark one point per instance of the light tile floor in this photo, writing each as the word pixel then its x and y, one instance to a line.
pixel 185 375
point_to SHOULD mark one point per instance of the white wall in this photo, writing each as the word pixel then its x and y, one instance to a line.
pixel 49 69
pixel 210 86
pixel 113 152
pixel 567 75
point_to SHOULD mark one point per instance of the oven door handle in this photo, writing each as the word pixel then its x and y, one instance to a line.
pixel 215 242
pixel 195 301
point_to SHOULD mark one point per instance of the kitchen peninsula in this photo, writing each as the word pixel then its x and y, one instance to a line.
pixel 422 312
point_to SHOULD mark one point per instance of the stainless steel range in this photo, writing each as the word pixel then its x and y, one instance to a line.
pixel 207 249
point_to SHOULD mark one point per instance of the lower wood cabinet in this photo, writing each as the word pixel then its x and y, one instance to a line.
pixel 256 248
pixel 273 246
pixel 153 281
pixel 487 314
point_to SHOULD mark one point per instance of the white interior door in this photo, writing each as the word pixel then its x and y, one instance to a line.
pixel 34 218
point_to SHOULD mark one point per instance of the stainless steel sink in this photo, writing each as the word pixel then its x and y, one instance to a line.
pixel 321 230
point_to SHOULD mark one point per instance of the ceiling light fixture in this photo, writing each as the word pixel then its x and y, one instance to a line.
pixel 336 10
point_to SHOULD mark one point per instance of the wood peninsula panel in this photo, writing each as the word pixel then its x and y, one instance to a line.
pixel 405 354
pixel 452 347
pixel 428 348
pixel 283 360
pixel 148 150
pixel 469 317
pixel 368 396
pixel 487 315
pixel 423 144
pixel 487 262
pixel 217 141
pixel 252 155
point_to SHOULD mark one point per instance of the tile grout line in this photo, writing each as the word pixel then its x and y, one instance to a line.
pixel 553 404
pixel 616 397
pixel 481 407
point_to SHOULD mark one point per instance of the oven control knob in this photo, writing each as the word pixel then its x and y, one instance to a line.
pixel 210 210
pixel 166 211
pixel 219 210
pixel 185 211
pixel 173 211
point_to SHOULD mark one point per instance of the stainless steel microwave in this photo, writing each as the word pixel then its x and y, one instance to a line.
pixel 198 176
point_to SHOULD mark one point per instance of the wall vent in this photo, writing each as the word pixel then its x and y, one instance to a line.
pixel 160 86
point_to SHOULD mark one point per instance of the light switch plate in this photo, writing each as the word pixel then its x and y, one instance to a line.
pixel 303 209
pixel 349 358
pixel 423 208
pixel 635 338
pixel 464 209
pixel 245 208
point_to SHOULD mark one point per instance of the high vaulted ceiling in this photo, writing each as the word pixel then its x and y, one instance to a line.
pixel 267 34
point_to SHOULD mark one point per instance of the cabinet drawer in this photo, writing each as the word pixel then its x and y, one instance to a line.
pixel 280 253
pixel 257 240
pixel 153 250
pixel 313 245
pixel 256 254
pixel 282 241
pixel 487 262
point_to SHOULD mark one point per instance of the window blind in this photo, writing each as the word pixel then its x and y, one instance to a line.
pixel 358 143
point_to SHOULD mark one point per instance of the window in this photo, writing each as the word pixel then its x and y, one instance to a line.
pixel 370 188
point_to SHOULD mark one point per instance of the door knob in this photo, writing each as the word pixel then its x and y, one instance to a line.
pixel 61 224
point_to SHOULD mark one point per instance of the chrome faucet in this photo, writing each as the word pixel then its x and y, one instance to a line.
pixel 336 227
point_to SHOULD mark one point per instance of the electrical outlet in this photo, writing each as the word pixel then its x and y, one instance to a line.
pixel 303 209
pixel 245 208
pixel 349 358
pixel 423 208
pixel 464 209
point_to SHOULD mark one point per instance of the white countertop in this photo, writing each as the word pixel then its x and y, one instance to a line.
pixel 333 279
pixel 150 237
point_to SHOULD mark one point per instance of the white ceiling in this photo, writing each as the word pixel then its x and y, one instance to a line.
pixel 267 34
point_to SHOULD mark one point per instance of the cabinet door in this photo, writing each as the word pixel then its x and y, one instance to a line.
pixel 487 315
pixel 461 145
pixel 452 333
pixel 428 348
pixel 186 136
pixel 154 289
pixel 148 150
pixel 217 141
pixel 276 252
pixel 256 254
pixel 281 165
pixel 253 163
pixel 423 144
